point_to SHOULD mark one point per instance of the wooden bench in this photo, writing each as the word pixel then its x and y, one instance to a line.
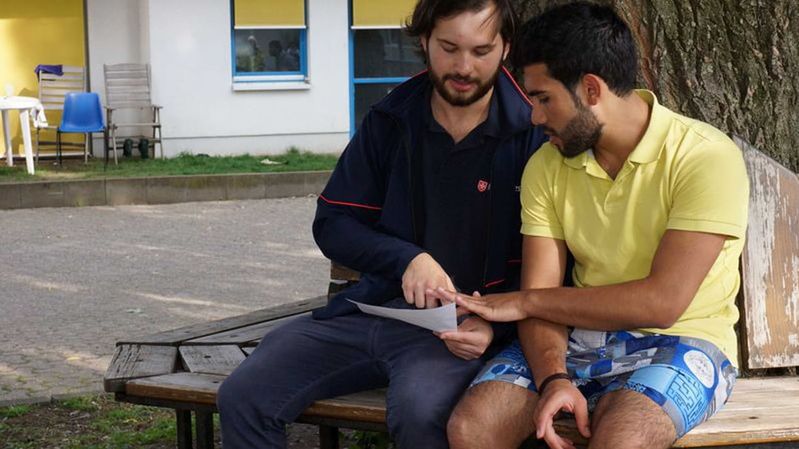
pixel 182 368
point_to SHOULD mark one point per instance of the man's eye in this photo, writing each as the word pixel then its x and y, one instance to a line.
pixel 482 52
pixel 543 100
pixel 449 49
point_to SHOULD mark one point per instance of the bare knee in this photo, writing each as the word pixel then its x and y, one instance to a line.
pixel 491 414
pixel 464 425
pixel 626 419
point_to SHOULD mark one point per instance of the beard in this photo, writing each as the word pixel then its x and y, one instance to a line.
pixel 579 135
pixel 460 99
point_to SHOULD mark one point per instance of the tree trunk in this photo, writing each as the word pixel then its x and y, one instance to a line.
pixel 734 64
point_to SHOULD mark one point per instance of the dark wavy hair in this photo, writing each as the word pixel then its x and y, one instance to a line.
pixel 427 12
pixel 576 39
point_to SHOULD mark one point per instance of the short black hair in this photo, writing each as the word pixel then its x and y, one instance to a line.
pixel 576 39
pixel 427 12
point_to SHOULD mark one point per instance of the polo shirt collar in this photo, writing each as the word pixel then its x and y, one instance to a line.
pixel 650 146
pixel 579 161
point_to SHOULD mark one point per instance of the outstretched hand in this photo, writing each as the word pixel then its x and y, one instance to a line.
pixel 559 396
pixel 498 307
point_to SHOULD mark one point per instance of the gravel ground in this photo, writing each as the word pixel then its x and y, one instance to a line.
pixel 75 280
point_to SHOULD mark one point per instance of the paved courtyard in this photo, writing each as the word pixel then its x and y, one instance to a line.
pixel 75 280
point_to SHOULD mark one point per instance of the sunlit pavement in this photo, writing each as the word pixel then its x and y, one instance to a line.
pixel 75 280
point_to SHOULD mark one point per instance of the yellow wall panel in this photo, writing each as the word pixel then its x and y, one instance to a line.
pixel 381 13
pixel 269 13
pixel 36 32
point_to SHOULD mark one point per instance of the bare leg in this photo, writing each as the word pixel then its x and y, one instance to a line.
pixel 492 414
pixel 625 419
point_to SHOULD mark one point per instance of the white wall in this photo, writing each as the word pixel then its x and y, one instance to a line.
pixel 190 55
pixel 115 32
pixel 114 36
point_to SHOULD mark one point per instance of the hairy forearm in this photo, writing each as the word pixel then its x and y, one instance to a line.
pixel 544 345
pixel 629 305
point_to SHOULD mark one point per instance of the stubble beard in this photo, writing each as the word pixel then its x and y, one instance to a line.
pixel 581 133
pixel 454 98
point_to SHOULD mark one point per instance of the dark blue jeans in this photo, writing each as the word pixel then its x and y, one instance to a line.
pixel 306 360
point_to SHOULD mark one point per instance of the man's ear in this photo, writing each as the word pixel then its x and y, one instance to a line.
pixel 423 41
pixel 505 50
pixel 593 88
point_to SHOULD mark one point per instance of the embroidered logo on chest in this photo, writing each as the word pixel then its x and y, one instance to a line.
pixel 482 186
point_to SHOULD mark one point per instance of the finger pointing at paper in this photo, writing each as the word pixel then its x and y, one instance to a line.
pixel 498 307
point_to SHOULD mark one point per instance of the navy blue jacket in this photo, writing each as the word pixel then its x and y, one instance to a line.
pixel 365 215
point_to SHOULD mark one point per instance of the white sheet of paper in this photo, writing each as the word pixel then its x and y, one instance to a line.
pixel 439 319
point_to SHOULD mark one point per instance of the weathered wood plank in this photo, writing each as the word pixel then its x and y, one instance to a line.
pixel 369 406
pixel 211 359
pixel 135 361
pixel 339 272
pixel 177 336
pixel 248 349
pixel 182 387
pixel 770 264
pixel 749 417
pixel 242 335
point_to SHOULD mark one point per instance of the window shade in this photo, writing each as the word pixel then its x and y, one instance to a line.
pixel 381 13
pixel 269 14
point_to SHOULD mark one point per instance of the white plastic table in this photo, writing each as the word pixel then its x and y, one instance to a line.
pixel 24 105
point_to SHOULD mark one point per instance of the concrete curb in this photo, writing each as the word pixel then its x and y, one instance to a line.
pixel 37 400
pixel 160 190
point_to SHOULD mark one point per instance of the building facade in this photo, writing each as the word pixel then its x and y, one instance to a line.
pixel 235 76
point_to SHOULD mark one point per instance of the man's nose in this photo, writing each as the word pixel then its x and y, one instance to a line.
pixel 463 64
pixel 537 117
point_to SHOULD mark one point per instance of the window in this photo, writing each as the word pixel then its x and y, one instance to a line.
pixel 382 55
pixel 269 40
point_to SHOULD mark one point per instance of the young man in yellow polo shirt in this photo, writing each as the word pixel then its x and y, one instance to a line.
pixel 653 207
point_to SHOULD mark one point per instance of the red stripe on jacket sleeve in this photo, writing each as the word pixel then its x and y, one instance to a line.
pixel 344 203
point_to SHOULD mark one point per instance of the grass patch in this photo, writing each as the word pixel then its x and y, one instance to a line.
pixel 86 422
pixel 14 411
pixel 184 164
pixel 81 403
pixel 98 422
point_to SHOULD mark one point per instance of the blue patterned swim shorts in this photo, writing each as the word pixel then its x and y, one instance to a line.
pixel 689 378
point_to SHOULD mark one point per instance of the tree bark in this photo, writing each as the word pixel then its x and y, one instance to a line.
pixel 734 64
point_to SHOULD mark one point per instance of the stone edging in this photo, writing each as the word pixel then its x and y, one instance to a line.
pixel 160 190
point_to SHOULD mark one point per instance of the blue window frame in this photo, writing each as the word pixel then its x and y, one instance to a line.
pixel 268 53
pixel 380 59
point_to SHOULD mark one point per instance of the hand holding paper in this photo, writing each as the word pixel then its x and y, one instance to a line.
pixel 439 319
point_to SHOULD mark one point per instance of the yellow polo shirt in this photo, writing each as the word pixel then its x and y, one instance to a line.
pixel 684 175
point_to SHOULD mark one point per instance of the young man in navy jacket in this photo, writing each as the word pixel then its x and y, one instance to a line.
pixel 426 195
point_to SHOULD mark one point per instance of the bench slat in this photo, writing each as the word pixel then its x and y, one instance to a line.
pixel 242 335
pixel 183 387
pixel 749 417
pixel 222 359
pixel 135 361
pixel 176 336
pixel 369 406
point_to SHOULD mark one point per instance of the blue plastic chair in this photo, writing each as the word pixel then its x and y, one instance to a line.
pixel 83 113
